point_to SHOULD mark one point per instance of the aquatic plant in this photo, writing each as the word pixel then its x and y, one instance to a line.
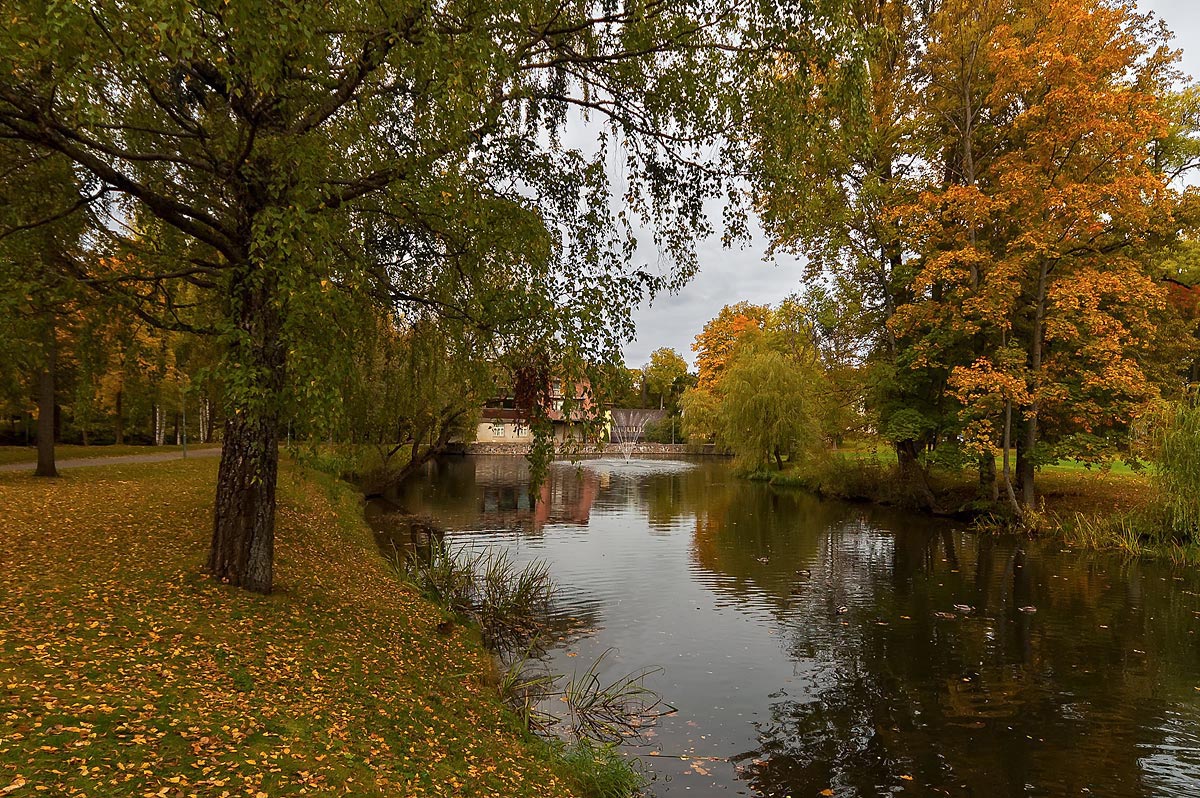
pixel 614 711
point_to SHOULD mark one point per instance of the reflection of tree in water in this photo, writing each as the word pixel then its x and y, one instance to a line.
pixel 984 701
pixel 1090 691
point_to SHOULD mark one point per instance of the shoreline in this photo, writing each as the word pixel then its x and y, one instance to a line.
pixel 1083 509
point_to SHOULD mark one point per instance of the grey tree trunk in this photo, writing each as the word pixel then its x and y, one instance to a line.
pixel 243 541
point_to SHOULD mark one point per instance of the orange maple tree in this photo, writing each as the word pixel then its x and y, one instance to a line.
pixel 1031 286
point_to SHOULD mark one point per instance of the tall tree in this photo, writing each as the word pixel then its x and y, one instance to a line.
pixel 1037 257
pixel 839 154
pixel 303 156
pixel 663 373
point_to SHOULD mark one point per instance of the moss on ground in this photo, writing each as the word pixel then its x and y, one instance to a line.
pixel 125 671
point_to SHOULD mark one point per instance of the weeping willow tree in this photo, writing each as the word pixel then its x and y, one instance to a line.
pixel 1177 469
pixel 769 405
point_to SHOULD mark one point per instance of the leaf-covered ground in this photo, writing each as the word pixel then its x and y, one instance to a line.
pixel 124 671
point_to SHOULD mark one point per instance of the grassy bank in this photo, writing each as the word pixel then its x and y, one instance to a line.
pixel 124 671
pixel 1098 509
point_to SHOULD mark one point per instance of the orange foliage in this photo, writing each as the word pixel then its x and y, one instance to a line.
pixel 1029 288
pixel 716 342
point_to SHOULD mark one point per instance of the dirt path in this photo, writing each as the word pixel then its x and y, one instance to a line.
pixel 120 459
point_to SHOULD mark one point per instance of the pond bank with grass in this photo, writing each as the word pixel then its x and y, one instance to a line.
pixel 1114 508
pixel 124 669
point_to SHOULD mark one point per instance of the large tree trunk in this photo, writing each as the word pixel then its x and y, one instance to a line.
pixel 45 431
pixel 243 541
pixel 912 473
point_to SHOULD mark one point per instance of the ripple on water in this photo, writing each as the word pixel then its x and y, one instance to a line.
pixel 633 467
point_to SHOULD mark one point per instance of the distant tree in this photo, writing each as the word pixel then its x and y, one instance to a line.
pixel 717 341
pixel 40 247
pixel 699 408
pixel 769 405
pixel 663 372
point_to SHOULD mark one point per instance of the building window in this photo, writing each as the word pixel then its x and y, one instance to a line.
pixel 498 430
pixel 518 429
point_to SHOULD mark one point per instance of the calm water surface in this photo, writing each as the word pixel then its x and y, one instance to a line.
pixel 811 645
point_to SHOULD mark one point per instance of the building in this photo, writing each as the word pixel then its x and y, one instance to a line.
pixel 501 421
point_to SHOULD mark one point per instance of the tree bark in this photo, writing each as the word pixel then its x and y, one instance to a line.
pixel 1008 486
pixel 989 488
pixel 45 429
pixel 1025 459
pixel 912 473
pixel 243 541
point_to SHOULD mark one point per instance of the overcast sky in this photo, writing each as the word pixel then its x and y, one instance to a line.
pixel 728 276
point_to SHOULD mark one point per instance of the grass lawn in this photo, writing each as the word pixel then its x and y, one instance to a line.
pixel 124 671
pixel 28 454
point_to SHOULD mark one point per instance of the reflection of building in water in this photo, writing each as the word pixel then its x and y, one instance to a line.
pixel 566 497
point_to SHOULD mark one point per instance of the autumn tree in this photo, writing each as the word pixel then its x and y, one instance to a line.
pixel 1031 286
pixel 716 343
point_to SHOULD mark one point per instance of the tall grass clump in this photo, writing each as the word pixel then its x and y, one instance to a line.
pixel 510 603
pixel 601 771
pixel 1177 472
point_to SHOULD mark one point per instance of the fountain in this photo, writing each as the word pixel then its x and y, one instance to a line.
pixel 627 427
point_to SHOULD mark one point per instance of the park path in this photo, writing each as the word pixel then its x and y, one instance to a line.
pixel 120 459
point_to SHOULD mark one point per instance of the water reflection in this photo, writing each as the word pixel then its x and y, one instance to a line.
pixel 815 646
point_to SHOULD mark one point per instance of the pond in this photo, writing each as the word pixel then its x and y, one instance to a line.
pixel 819 648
